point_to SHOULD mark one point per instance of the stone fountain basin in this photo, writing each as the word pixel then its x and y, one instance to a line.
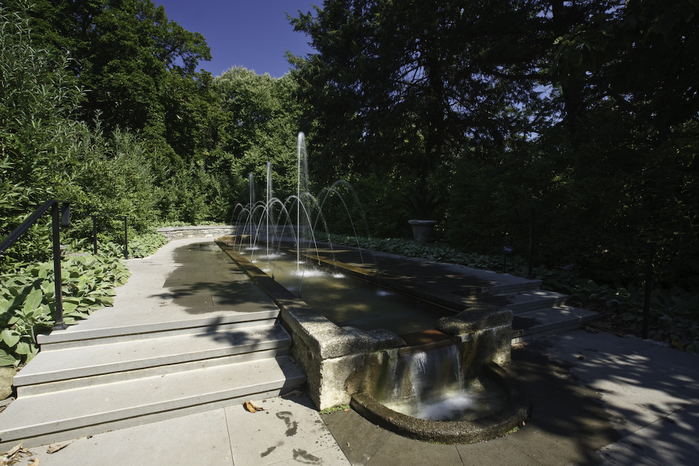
pixel 337 360
pixel 516 411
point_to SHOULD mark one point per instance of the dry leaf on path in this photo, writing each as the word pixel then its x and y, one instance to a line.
pixel 252 407
pixel 33 462
pixel 13 455
pixel 13 450
pixel 54 448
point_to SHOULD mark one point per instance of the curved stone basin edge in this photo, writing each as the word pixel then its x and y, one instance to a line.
pixel 514 415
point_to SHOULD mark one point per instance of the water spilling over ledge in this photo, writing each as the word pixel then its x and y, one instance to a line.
pixel 376 363
pixel 347 365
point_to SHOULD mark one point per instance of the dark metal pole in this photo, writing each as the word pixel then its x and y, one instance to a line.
pixel 57 268
pixel 531 243
pixel 94 232
pixel 646 301
pixel 126 237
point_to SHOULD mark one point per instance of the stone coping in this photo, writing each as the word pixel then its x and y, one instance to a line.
pixel 515 414
pixel 202 231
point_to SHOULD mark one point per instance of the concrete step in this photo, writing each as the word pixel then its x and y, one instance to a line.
pixel 541 322
pixel 526 300
pixel 511 288
pixel 76 367
pixel 76 336
pixel 67 414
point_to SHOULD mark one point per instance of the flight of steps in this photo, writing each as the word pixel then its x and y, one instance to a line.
pixel 536 312
pixel 98 380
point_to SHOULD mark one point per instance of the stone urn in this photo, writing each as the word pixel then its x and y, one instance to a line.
pixel 422 230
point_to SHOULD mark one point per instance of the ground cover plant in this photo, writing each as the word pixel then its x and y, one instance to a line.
pixel 27 298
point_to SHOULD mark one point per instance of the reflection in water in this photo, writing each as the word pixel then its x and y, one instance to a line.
pixel 347 301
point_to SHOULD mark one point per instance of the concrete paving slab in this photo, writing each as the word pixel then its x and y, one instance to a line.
pixel 580 342
pixel 497 452
pixel 151 296
pixel 100 406
pixel 288 431
pixel 636 380
pixel 358 438
pixel 400 451
pixel 670 440
pixel 197 439
pixel 545 322
pixel 618 455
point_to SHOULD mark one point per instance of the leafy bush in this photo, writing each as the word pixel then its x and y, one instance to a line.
pixel 146 244
pixel 28 302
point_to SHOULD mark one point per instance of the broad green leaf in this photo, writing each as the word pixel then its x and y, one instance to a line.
pixel 69 306
pixel 7 359
pixel 23 348
pixel 10 337
pixel 33 300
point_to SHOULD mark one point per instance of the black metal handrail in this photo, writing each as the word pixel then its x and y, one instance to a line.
pixel 64 220
pixel 649 248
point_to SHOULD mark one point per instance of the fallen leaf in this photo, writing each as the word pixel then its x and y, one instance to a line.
pixel 252 407
pixel 348 445
pixel 54 448
pixel 14 450
pixel 581 357
pixel 13 455
pixel 33 462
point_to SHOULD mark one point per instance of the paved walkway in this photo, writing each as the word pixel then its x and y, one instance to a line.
pixel 597 399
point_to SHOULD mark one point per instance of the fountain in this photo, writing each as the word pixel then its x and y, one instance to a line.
pixel 383 372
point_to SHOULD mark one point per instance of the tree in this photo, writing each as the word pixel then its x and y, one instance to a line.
pixel 405 86
pixel 631 144
pixel 127 53
pixel 262 123
pixel 47 154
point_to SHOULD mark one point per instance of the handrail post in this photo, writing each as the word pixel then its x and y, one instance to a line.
pixel 94 233
pixel 650 250
pixel 126 237
pixel 531 243
pixel 57 268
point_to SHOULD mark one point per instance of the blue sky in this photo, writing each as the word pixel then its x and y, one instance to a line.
pixel 250 33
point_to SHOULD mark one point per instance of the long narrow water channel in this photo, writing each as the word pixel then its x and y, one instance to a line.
pixel 348 301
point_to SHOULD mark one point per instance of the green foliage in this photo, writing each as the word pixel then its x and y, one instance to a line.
pixel 37 101
pixel 126 53
pixel 146 244
pixel 262 119
pixel 674 312
pixel 400 88
pixel 27 299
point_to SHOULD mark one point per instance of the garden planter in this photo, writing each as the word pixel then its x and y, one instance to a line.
pixel 422 229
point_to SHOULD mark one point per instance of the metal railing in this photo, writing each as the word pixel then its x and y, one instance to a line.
pixel 648 247
pixel 95 217
pixel 64 220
